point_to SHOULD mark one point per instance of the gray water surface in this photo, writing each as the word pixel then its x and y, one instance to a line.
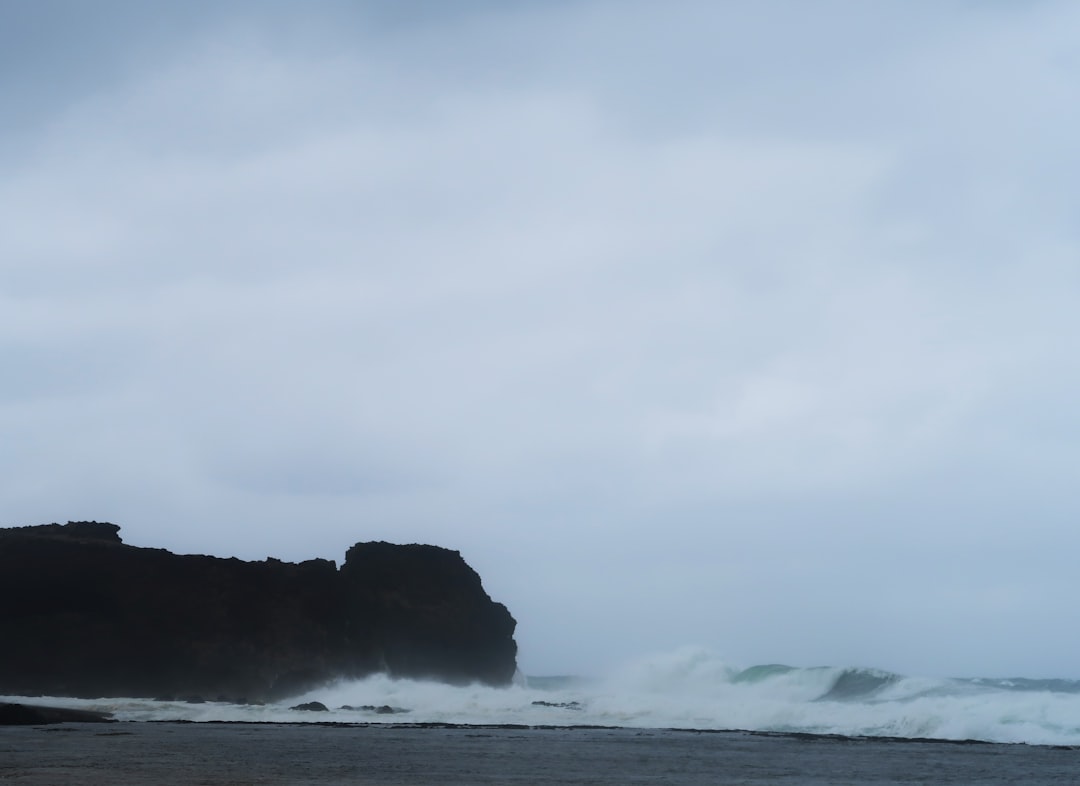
pixel 215 754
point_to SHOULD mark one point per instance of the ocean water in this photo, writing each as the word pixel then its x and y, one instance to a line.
pixel 216 754
pixel 687 689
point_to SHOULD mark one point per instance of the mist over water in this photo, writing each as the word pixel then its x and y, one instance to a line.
pixel 688 688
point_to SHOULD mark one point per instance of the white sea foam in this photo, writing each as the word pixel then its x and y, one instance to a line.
pixel 689 688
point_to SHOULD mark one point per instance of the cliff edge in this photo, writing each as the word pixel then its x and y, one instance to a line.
pixel 85 615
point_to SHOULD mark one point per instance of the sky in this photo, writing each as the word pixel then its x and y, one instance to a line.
pixel 752 326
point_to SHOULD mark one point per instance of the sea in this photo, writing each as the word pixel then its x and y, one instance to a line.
pixel 690 689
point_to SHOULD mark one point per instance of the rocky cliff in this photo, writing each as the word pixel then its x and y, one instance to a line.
pixel 83 614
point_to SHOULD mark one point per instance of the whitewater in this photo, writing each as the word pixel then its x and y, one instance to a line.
pixel 686 689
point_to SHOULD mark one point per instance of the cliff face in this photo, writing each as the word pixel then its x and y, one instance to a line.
pixel 83 614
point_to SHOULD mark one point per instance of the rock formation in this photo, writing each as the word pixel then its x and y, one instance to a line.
pixel 83 614
pixel 34 715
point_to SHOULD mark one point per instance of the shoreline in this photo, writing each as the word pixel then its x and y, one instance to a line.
pixel 226 753
pixel 19 714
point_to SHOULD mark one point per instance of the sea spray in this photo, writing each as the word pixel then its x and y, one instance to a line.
pixel 688 688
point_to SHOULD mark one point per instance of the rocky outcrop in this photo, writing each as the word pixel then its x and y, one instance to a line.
pixel 83 614
pixel 34 715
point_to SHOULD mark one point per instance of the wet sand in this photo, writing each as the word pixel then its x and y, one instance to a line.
pixel 220 754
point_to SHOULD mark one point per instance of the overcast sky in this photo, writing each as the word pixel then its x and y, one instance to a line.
pixel 747 325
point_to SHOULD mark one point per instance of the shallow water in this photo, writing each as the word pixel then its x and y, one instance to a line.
pixel 214 754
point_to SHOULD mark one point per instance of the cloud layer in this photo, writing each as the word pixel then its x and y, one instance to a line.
pixel 750 326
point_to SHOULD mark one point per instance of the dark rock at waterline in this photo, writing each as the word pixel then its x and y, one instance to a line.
pixel 86 615
pixel 34 715
pixel 566 705
pixel 311 706
pixel 384 709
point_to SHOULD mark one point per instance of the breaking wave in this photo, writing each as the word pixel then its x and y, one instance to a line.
pixel 689 688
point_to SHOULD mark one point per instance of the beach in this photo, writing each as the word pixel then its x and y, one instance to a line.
pixel 235 754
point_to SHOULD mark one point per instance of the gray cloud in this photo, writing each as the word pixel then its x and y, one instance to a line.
pixel 748 326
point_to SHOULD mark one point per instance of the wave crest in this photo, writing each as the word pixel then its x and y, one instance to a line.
pixel 687 688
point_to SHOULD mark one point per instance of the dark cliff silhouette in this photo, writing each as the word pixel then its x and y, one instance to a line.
pixel 83 614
